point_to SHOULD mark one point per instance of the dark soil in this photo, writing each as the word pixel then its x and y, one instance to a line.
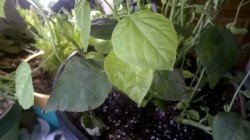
pixel 42 80
pixel 125 121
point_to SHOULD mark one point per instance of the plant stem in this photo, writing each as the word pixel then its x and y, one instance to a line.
pixel 193 93
pixel 182 8
pixel 33 56
pixel 38 7
pixel 206 128
pixel 166 9
pixel 128 6
pixel 201 17
pixel 237 12
pixel 172 10
pixel 237 91
pixel 245 3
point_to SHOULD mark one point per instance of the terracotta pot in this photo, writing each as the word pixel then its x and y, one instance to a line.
pixel 40 100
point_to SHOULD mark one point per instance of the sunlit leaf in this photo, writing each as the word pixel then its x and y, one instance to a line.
pixel 132 80
pixel 146 39
pixel 24 87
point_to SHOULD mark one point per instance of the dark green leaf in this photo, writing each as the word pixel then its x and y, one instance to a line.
pixel 83 85
pixel 24 87
pixel 102 28
pixel 132 80
pixel 217 51
pixel 169 85
pixel 146 39
pixel 230 126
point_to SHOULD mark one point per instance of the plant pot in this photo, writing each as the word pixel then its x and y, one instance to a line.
pixel 40 101
pixel 69 130
pixel 9 124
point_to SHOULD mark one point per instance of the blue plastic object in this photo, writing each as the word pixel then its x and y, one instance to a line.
pixel 49 117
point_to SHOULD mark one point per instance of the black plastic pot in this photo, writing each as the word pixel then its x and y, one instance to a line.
pixel 69 130
pixel 9 124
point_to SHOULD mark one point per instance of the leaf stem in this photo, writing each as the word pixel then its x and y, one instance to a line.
pixel 166 9
pixel 193 93
pixel 237 91
pixel 172 10
pixel 237 12
pixel 33 56
pixel 182 8
pixel 203 127
pixel 38 7
pixel 128 6
pixel 245 3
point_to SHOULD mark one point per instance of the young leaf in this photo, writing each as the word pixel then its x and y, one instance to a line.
pixel 193 114
pixel 217 50
pixel 132 80
pixel 169 85
pixel 230 126
pixel 83 20
pixel 83 85
pixel 24 87
pixel 146 39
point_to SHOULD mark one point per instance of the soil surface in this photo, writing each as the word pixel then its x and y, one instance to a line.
pixel 125 121
pixel 42 80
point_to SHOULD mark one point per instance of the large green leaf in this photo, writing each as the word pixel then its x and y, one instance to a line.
pixel 83 19
pixel 83 85
pixel 24 87
pixel 132 80
pixel 169 85
pixel 230 126
pixel 146 39
pixel 217 50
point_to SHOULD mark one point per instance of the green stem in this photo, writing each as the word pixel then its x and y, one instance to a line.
pixel 166 9
pixel 182 10
pixel 237 12
pixel 128 6
pixel 172 10
pixel 38 7
pixel 193 93
pixel 203 127
pixel 237 91
pixel 198 69
pixel 201 17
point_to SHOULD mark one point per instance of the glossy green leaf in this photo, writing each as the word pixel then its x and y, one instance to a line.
pixel 230 126
pixel 132 80
pixel 146 39
pixel 83 19
pixel 83 85
pixel 24 87
pixel 169 85
pixel 217 50
pixel 102 28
